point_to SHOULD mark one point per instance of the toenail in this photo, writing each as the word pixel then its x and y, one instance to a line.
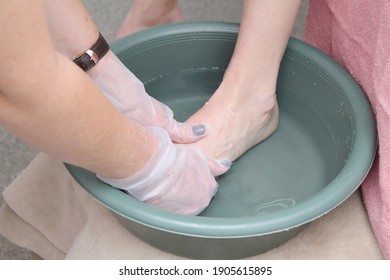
pixel 199 129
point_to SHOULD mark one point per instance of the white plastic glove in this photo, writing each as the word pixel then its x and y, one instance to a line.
pixel 127 93
pixel 178 178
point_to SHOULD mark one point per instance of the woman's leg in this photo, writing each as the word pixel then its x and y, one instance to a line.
pixel 148 13
pixel 243 111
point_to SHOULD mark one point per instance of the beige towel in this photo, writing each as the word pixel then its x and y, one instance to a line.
pixel 47 212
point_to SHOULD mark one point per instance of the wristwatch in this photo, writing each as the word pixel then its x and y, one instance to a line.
pixel 92 56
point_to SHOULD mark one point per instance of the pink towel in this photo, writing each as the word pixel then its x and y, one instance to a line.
pixel 357 35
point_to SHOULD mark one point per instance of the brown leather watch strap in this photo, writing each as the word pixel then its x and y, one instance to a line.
pixel 92 56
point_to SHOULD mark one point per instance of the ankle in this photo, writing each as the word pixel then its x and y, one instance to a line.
pixel 242 95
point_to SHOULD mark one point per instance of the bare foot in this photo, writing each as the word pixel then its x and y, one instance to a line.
pixel 236 122
pixel 146 14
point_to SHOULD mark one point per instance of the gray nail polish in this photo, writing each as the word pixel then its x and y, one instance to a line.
pixel 199 129
pixel 226 163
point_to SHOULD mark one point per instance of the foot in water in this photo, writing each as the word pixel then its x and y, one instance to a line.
pixel 236 122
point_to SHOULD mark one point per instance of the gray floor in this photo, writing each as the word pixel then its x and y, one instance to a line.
pixel 108 15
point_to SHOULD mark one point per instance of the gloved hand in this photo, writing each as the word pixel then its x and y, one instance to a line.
pixel 178 178
pixel 128 95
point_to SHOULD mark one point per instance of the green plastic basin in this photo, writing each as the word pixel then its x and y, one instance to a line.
pixel 322 150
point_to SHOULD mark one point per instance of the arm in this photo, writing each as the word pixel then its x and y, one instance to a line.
pixel 48 102
pixel 73 32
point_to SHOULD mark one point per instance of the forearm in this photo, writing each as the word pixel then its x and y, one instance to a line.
pixel 264 32
pixel 79 126
pixel 74 31
pixel 48 102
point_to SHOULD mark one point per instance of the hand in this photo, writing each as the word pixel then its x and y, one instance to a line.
pixel 178 178
pixel 128 95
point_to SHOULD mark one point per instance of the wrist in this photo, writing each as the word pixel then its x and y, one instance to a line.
pixel 91 57
pixel 95 71
pixel 141 183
